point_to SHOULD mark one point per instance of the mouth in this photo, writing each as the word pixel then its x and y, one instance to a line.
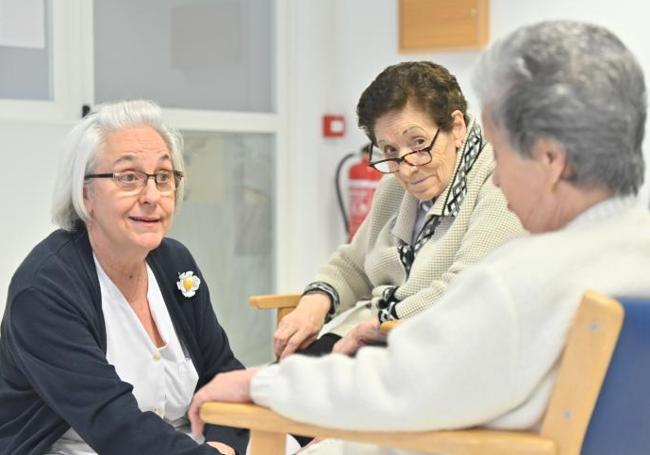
pixel 145 219
pixel 419 180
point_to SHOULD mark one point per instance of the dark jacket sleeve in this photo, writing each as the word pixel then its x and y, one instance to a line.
pixel 57 351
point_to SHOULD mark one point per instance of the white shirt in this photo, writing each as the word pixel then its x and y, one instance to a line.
pixel 163 379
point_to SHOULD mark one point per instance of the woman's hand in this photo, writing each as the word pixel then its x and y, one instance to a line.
pixel 366 332
pixel 299 328
pixel 234 387
pixel 224 449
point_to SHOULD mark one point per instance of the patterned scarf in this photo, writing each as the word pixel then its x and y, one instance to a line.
pixel 455 196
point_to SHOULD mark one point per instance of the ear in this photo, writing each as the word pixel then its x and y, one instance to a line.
pixel 551 155
pixel 458 128
pixel 87 199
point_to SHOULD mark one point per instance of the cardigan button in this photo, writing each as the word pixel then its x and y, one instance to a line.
pixel 156 356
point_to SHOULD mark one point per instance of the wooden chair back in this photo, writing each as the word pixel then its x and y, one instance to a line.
pixel 620 423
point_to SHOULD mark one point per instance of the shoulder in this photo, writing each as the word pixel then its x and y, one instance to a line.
pixel 173 254
pixel 389 191
pixel 172 248
pixel 492 214
pixel 480 180
pixel 484 164
pixel 57 279
pixel 484 167
pixel 59 257
pixel 386 203
pixel 390 186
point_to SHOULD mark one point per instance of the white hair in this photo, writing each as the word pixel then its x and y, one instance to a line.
pixel 83 143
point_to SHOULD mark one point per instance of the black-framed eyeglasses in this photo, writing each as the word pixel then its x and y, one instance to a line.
pixel 415 158
pixel 135 181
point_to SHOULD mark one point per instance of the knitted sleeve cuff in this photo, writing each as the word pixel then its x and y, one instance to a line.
pixel 387 305
pixel 321 286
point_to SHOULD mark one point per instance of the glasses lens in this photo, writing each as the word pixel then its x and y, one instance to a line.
pixel 386 166
pixel 129 180
pixel 165 181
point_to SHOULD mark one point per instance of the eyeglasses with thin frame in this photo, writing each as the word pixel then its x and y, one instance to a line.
pixel 135 181
pixel 420 157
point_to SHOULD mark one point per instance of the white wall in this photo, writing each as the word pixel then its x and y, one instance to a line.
pixel 344 44
pixel 30 155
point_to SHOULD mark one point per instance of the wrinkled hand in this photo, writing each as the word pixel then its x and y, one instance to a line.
pixel 299 328
pixel 366 332
pixel 234 386
pixel 224 449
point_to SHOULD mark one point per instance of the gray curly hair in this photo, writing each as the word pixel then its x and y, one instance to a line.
pixel 576 83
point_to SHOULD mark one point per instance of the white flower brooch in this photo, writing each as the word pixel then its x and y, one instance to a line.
pixel 188 283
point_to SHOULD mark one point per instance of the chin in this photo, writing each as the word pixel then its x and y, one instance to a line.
pixel 149 241
pixel 426 195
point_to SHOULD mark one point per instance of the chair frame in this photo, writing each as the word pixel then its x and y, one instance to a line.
pixel 590 344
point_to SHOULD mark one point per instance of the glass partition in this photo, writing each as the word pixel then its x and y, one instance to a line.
pixel 186 54
pixel 25 53
pixel 227 221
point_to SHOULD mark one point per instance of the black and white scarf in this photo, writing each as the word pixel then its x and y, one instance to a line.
pixel 473 147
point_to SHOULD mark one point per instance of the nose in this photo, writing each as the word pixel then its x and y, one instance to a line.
pixel 150 193
pixel 405 169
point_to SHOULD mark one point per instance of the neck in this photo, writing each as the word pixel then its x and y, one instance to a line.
pixel 127 272
pixel 572 201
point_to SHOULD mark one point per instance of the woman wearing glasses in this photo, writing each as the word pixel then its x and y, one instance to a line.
pixel 108 328
pixel 434 214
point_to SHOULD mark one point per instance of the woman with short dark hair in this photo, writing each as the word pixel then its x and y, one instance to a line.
pixel 435 214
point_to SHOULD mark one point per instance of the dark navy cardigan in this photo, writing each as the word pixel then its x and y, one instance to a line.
pixel 53 368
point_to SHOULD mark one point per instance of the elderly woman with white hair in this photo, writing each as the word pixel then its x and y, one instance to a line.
pixel 108 328
pixel 564 105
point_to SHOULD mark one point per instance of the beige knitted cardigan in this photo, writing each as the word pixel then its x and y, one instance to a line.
pixel 360 270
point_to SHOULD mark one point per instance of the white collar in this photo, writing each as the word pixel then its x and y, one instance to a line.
pixel 605 209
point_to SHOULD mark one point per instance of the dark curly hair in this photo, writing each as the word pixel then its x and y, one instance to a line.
pixel 425 84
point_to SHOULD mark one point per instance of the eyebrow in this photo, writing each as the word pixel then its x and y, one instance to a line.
pixel 411 128
pixel 129 158
pixel 403 133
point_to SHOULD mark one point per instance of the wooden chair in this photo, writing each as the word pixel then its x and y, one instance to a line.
pixel 285 303
pixel 583 366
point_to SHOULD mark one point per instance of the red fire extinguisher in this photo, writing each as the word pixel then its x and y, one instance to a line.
pixel 362 183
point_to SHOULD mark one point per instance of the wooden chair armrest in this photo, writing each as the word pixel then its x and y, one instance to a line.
pixel 387 326
pixel 268 430
pixel 285 303
pixel 274 301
